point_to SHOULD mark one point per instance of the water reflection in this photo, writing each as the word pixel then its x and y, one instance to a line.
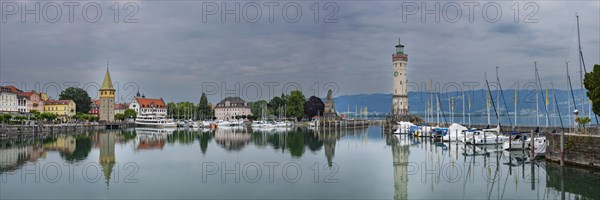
pixel 107 154
pixel 463 171
pixel 400 154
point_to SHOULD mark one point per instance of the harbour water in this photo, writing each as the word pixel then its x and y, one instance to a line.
pixel 276 164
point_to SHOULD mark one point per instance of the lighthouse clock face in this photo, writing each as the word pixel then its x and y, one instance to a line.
pixel 396 74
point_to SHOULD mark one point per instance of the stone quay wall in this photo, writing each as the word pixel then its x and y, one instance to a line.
pixel 582 149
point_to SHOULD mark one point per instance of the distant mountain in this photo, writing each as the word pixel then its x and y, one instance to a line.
pixel 381 103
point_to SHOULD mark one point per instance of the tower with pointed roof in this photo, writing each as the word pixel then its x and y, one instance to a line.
pixel 106 111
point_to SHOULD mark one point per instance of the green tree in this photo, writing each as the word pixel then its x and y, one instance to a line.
pixel 120 116
pixel 6 118
pixel 79 96
pixel 204 110
pixel 130 114
pixel 257 107
pixel 20 119
pixel 295 104
pixel 48 116
pixel 276 106
pixel 592 84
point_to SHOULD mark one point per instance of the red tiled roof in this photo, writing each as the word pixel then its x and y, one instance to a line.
pixel 148 103
pixel 57 102
pixel 96 102
pixel 14 89
pixel 27 94
pixel 121 106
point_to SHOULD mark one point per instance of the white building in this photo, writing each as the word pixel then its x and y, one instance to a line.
pixel 22 104
pixel 8 100
pixel 400 95
pixel 147 106
pixel 230 107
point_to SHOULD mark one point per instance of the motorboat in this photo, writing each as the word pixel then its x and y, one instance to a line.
pixel 517 143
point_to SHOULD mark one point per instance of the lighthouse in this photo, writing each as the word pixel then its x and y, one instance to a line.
pixel 400 93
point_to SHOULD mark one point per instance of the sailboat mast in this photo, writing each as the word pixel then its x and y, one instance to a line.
pixel 515 102
pixel 580 68
pixel 537 97
pixel 463 107
pixel 488 108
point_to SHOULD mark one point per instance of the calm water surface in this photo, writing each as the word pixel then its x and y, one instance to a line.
pixel 275 164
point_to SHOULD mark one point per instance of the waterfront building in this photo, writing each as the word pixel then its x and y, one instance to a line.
pixel 151 112
pixel 22 104
pixel 64 109
pixel 106 110
pixel 8 100
pixel 400 95
pixel 94 106
pixel 34 101
pixel 230 107
pixel 121 107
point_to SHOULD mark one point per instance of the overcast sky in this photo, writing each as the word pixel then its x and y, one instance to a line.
pixel 176 48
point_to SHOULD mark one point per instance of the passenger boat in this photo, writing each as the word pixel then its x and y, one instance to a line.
pixel 154 120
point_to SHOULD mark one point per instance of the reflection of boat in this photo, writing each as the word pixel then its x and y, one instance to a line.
pixel 470 150
pixel 153 131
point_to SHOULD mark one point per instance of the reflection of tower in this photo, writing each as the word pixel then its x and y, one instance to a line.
pixel 329 152
pixel 400 154
pixel 400 95
pixel 107 154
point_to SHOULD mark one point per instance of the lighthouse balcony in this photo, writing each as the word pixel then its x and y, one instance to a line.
pixel 399 57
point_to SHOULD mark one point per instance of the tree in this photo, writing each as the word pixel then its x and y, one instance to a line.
pixel 314 106
pixel 79 96
pixel 257 107
pixel 276 106
pixel 120 116
pixel 6 118
pixel 48 116
pixel 130 114
pixel 592 84
pixel 583 121
pixel 204 110
pixel 295 104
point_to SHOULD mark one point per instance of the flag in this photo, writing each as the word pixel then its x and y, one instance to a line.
pixel 469 102
pixel 547 100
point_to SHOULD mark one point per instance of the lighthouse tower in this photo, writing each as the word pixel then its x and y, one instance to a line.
pixel 400 95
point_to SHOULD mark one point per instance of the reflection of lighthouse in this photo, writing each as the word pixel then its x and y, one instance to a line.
pixel 400 154
pixel 107 154
pixel 329 152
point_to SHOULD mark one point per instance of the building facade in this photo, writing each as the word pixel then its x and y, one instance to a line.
pixel 400 93
pixel 64 109
pixel 106 111
pixel 121 107
pixel 8 100
pixel 230 107
pixel 94 107
pixel 34 101
pixel 148 106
